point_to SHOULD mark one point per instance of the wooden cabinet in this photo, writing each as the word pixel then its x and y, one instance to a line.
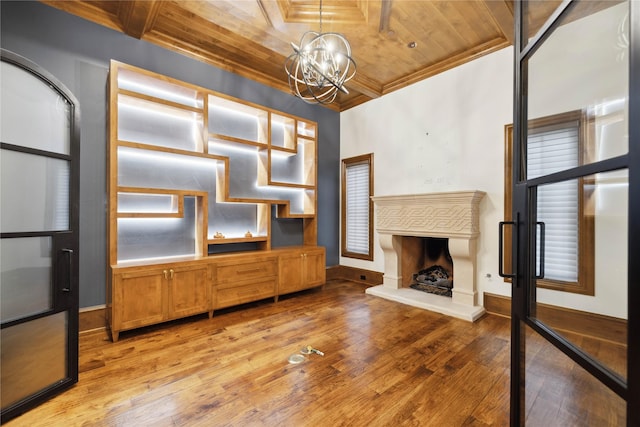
pixel 143 295
pixel 194 177
pixel 244 279
pixel 146 295
pixel 301 268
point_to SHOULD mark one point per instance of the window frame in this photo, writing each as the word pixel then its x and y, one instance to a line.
pixel 585 285
pixel 346 163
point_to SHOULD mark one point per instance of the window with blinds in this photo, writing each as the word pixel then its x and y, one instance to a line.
pixel 357 213
pixel 556 143
pixel 552 149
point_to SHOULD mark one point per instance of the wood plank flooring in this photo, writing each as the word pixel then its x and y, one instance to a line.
pixel 385 364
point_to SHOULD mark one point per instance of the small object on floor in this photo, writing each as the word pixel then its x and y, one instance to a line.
pixel 296 358
pixel 309 350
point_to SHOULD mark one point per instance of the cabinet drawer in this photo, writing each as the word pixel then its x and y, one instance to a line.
pixel 259 270
pixel 241 292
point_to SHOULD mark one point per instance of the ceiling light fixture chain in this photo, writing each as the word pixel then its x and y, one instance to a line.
pixel 320 66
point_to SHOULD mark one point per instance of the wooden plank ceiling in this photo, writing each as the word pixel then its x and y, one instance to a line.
pixel 252 37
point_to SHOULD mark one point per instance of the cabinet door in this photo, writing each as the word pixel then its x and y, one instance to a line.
pixel 189 291
pixel 290 272
pixel 138 299
pixel 314 268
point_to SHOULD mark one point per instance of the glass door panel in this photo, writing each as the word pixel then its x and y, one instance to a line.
pixel 559 392
pixel 586 242
pixel 34 192
pixel 583 65
pixel 33 115
pixel 34 357
pixel 536 14
pixel 25 280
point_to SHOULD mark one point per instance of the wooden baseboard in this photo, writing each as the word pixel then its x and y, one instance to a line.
pixel 342 272
pixel 565 319
pixel 92 319
pixel 497 304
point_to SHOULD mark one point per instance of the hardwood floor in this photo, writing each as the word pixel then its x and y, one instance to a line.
pixel 385 364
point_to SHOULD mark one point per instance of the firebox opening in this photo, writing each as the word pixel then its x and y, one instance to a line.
pixel 432 270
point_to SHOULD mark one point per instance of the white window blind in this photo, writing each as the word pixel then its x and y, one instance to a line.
pixel 357 207
pixel 61 193
pixel 550 150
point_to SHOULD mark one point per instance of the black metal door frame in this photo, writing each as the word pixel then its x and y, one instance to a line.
pixel 524 193
pixel 65 245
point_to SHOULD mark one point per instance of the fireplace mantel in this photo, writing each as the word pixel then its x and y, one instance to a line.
pixel 453 215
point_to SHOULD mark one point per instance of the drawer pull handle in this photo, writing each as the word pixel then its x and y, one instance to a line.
pixel 255 270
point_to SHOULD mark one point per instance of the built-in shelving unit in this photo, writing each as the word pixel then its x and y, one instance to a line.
pixel 192 170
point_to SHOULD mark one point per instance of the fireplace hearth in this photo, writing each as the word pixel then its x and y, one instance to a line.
pixel 402 220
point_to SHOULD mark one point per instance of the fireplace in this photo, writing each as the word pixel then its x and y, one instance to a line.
pixel 400 220
pixel 430 259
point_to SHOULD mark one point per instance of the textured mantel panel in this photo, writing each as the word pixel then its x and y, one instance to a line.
pixel 453 214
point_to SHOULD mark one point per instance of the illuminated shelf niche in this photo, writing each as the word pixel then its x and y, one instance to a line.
pixel 193 169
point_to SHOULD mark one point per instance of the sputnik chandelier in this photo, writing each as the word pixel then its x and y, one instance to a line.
pixel 320 66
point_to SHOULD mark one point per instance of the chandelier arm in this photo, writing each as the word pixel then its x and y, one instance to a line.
pixel 326 97
pixel 320 98
pixel 329 79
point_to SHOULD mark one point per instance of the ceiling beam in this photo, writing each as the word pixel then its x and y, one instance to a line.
pixel 365 86
pixel 385 16
pixel 502 13
pixel 264 12
pixel 343 12
pixel 138 16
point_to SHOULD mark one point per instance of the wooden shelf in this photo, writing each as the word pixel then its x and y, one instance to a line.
pixel 160 101
pixel 185 163
pixel 145 83
pixel 227 240
pixel 235 143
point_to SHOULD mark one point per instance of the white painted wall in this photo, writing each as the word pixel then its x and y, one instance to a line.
pixel 446 133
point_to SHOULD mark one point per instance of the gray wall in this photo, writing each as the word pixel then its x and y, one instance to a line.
pixel 77 52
